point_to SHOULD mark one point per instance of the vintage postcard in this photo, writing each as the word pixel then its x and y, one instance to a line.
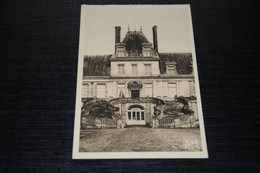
pixel 137 88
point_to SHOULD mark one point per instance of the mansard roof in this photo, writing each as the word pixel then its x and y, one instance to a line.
pixel 183 62
pixel 98 65
pixel 134 41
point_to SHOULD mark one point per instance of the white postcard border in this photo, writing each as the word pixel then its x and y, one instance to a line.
pixel 132 155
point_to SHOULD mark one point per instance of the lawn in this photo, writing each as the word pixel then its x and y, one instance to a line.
pixel 140 139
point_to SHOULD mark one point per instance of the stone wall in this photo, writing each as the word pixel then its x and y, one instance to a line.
pixel 90 122
pixel 184 121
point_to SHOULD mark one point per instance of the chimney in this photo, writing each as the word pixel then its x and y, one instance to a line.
pixel 117 34
pixel 155 41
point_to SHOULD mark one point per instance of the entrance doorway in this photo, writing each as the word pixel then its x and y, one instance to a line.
pixel 135 94
pixel 136 115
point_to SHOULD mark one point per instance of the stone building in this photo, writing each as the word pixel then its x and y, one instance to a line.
pixel 136 78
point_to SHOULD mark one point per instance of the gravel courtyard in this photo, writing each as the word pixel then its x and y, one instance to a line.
pixel 139 139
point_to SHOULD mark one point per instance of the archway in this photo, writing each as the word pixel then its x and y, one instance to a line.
pixel 136 115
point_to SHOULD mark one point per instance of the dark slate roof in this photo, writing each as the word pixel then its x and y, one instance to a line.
pixel 96 65
pixel 183 60
pixel 134 40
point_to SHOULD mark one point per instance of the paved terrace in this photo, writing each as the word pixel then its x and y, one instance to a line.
pixel 140 139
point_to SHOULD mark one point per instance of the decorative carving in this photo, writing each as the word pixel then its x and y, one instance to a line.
pixel 135 85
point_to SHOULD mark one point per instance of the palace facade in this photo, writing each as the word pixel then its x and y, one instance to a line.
pixel 136 78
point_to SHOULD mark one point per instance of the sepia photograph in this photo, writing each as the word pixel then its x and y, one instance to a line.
pixel 109 86
pixel 137 88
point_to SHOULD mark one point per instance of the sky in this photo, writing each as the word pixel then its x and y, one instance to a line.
pixel 173 26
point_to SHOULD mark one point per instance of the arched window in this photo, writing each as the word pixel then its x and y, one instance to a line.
pixel 136 106
pixel 136 113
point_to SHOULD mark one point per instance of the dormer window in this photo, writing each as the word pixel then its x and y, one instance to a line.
pixel 146 49
pixel 120 54
pixel 171 68
pixel 120 50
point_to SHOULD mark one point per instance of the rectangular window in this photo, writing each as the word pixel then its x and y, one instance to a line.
pixel 159 90
pixel 165 89
pixel 134 69
pixel 101 91
pixel 172 90
pixel 148 90
pixel 138 115
pixel 148 69
pixel 121 69
pixel 129 115
pixel 85 91
pixel 134 117
pixel 142 114
pixel 135 93
pixel 192 88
